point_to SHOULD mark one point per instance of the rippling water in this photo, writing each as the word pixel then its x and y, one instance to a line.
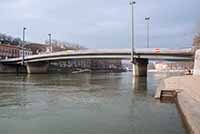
pixel 104 103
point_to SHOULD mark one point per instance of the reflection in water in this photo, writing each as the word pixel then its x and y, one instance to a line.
pixel 140 85
pixel 143 113
pixel 84 104
pixel 9 93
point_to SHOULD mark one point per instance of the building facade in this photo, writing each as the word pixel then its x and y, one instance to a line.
pixel 167 66
pixel 27 52
pixel 12 51
pixel 9 51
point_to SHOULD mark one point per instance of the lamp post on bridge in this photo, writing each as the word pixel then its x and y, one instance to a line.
pixel 23 44
pixel 147 20
pixel 132 3
pixel 50 44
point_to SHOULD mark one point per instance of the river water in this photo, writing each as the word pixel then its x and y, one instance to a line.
pixel 101 103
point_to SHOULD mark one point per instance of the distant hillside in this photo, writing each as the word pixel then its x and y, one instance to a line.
pixel 38 48
pixel 65 45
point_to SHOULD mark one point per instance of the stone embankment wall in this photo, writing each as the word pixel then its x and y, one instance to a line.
pixel 12 68
pixel 197 63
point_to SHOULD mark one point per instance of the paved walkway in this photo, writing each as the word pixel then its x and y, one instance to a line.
pixel 188 98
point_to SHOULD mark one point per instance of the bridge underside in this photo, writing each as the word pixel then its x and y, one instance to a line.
pixel 34 66
pixel 140 67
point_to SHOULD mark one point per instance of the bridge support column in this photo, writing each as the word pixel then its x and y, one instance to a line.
pixel 37 67
pixel 140 67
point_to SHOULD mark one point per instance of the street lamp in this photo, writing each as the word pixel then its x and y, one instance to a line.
pixel 147 19
pixel 132 3
pixel 23 44
pixel 50 44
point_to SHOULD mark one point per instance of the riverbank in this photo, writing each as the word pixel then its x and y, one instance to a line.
pixel 166 71
pixel 188 98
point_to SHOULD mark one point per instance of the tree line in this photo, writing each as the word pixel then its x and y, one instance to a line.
pixel 64 45
pixel 7 39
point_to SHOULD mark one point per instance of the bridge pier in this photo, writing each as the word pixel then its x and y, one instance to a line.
pixel 37 67
pixel 140 67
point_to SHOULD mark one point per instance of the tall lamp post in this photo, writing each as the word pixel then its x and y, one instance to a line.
pixel 50 44
pixel 23 44
pixel 147 20
pixel 132 3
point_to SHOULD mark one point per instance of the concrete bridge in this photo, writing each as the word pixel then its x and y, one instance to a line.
pixel 40 63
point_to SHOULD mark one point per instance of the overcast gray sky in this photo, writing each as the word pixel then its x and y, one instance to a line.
pixel 102 23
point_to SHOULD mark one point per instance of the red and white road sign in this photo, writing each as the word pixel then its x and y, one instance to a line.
pixel 157 50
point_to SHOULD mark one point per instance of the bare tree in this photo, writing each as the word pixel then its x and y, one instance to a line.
pixel 62 45
pixel 7 39
pixel 196 41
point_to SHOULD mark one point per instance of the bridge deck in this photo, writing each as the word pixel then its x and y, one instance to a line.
pixel 163 54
